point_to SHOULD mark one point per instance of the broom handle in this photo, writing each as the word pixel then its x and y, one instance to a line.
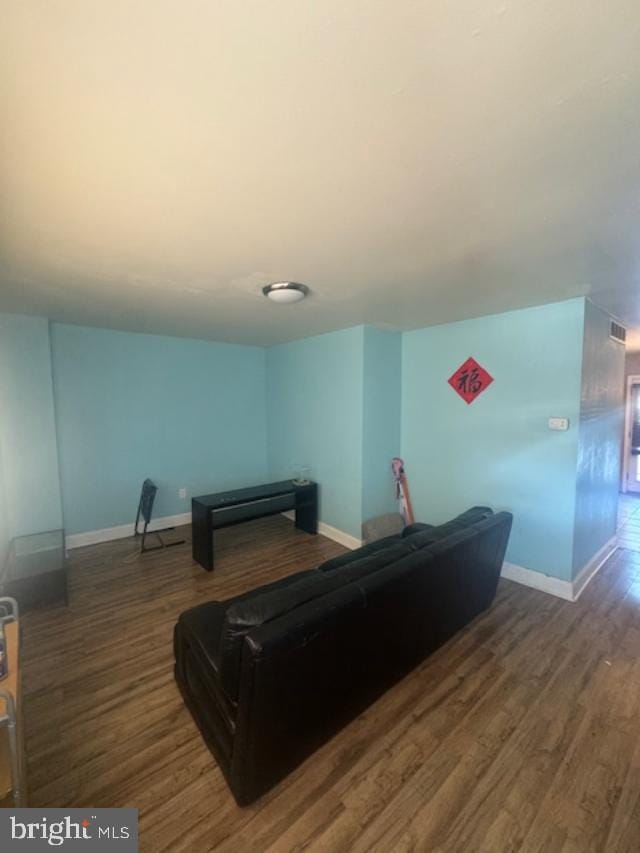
pixel 407 499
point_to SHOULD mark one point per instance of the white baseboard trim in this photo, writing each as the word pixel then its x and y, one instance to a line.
pixel 339 536
pixel 568 590
pixel 537 580
pixel 331 532
pixel 122 531
pixel 594 565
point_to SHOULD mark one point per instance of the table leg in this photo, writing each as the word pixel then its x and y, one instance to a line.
pixel 307 509
pixel 202 535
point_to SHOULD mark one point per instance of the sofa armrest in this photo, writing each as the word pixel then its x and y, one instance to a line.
pixel 298 686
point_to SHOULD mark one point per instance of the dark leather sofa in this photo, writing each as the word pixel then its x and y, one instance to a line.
pixel 272 674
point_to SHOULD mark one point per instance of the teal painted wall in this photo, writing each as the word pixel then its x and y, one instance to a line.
pixel 129 406
pixel 382 389
pixel 212 416
pixel 5 535
pixel 499 450
pixel 314 417
pixel 27 427
pixel 600 438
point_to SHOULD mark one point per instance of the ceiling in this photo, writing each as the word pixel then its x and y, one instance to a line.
pixel 413 162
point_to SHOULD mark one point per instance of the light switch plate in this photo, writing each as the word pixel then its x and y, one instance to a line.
pixel 561 424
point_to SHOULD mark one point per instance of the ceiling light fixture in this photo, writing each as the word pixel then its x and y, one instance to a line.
pixel 285 291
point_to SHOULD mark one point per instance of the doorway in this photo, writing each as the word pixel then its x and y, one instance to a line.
pixel 631 461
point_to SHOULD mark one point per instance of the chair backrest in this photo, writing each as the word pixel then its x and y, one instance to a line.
pixel 147 497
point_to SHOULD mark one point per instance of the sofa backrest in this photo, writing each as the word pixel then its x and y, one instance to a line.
pixel 414 599
pixel 254 609
pixel 467 568
pixel 441 531
pixel 303 674
pixel 359 553
pixel 260 606
pixel 444 586
pixel 428 534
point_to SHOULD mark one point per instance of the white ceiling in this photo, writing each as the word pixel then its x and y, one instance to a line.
pixel 413 162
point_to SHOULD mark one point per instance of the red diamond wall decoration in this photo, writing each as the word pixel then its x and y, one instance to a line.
pixel 470 380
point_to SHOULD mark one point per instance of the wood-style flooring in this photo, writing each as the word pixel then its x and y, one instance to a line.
pixel 522 733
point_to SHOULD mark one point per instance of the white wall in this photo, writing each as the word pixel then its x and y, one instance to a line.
pixel 27 427
pixel 4 517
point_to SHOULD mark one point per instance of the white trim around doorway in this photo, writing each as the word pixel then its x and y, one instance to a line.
pixel 633 379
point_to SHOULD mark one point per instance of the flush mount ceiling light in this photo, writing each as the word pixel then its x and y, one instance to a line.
pixel 285 291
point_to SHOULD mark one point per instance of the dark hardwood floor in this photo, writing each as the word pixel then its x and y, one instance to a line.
pixel 522 733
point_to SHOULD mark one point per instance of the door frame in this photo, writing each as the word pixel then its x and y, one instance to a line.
pixel 633 379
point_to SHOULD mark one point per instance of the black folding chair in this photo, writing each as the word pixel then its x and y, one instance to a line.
pixel 145 508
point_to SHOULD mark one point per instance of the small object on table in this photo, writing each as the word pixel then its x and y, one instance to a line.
pixel 302 477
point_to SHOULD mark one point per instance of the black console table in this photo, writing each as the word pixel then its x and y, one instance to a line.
pixel 210 512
